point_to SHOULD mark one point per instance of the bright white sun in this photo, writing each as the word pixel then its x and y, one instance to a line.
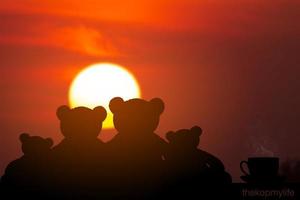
pixel 99 83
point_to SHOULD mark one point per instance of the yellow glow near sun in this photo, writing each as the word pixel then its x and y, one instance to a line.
pixel 97 84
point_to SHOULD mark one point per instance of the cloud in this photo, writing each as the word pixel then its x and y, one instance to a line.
pixel 83 40
pixel 77 38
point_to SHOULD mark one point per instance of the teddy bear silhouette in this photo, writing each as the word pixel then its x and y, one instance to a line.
pixel 28 171
pixel 136 150
pixel 187 162
pixel 79 156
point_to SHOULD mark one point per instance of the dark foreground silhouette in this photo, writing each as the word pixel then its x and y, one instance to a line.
pixel 190 164
pixel 135 164
pixel 28 172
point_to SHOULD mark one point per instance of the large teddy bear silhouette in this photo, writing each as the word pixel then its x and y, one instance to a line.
pixel 189 164
pixel 137 151
pixel 29 171
pixel 79 156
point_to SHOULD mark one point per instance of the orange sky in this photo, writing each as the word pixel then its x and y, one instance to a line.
pixel 228 66
pixel 72 24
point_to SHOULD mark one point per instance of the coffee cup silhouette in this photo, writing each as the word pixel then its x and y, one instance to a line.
pixel 261 167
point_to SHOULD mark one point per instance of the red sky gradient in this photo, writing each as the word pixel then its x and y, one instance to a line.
pixel 231 67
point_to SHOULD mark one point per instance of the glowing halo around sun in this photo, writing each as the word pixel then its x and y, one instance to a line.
pixel 97 84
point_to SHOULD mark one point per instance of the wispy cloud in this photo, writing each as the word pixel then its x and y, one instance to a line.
pixel 78 38
pixel 83 40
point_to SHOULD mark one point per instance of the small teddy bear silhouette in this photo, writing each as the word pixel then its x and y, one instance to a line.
pixel 137 151
pixel 29 170
pixel 79 156
pixel 186 161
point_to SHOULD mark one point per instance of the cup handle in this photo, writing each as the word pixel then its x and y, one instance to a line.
pixel 242 168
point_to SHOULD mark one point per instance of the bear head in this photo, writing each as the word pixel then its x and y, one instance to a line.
pixel 35 145
pixel 81 122
pixel 136 116
pixel 185 138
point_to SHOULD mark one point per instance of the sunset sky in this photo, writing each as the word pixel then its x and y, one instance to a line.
pixel 231 67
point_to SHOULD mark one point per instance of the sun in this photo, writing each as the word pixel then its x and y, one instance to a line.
pixel 97 84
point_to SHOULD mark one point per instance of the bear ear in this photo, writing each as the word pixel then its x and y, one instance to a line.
pixel 170 135
pixel 49 142
pixel 61 111
pixel 100 113
pixel 23 137
pixel 115 104
pixel 196 130
pixel 158 105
